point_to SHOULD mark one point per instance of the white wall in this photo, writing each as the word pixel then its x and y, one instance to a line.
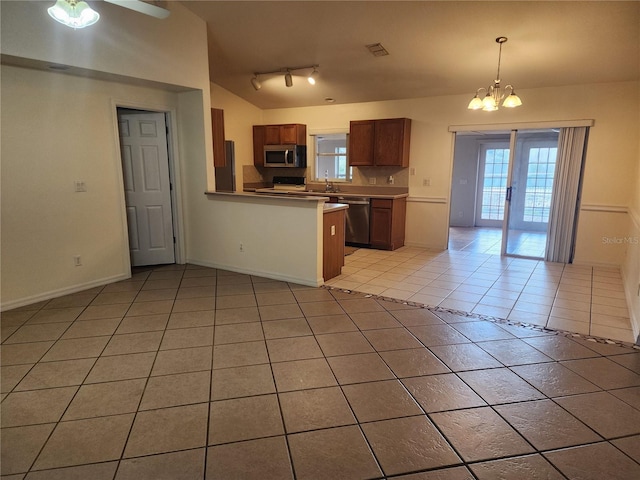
pixel 58 128
pixel 631 265
pixel 464 182
pixel 281 238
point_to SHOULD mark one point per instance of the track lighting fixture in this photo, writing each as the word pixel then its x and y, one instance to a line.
pixel 494 93
pixel 313 76
pixel 288 77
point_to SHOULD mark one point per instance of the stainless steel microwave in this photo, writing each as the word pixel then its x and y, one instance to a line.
pixel 285 156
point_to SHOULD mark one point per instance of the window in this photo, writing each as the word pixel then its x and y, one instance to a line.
pixel 331 157
pixel 541 169
pixel 494 182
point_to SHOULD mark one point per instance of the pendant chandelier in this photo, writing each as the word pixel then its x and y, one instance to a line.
pixel 495 93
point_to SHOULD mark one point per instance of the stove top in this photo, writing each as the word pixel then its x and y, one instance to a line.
pixel 290 184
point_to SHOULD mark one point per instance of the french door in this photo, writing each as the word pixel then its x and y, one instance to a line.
pixel 515 186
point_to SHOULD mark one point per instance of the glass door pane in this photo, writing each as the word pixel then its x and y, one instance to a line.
pixel 492 182
pixel 530 192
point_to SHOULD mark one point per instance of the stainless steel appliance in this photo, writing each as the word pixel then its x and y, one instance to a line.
pixel 357 220
pixel 226 176
pixel 285 156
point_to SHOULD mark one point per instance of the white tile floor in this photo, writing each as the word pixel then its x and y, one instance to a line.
pixel 582 299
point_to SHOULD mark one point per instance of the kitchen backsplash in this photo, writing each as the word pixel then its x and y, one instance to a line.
pixel 380 176
pixel 362 176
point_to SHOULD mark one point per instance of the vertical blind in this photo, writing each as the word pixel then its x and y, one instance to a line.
pixel 565 200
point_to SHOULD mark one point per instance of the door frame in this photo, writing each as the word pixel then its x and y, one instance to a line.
pixel 174 175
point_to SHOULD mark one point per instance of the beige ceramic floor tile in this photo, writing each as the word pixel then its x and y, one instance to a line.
pixel 21 445
pixel 269 460
pixel 244 419
pixel 380 400
pixel 187 465
pixel 168 429
pixel 480 434
pixel 95 471
pixel 85 441
pixel 346 454
pixel 315 409
pixel 242 382
pixel 594 462
pixel 393 442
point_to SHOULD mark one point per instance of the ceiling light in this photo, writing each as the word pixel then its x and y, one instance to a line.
pixel 313 76
pixel 288 78
pixel 73 13
pixel 494 93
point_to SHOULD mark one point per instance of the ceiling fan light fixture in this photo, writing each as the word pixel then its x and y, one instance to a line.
pixel 73 13
pixel 495 94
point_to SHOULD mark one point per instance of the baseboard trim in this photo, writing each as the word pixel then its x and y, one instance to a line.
pixel 61 292
pixel 259 273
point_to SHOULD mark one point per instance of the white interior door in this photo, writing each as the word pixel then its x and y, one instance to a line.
pixel 145 166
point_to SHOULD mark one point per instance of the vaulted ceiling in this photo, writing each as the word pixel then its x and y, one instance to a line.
pixel 435 47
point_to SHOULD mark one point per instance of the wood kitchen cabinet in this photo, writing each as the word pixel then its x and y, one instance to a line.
pixel 382 142
pixel 258 145
pixel 361 142
pixel 289 134
pixel 333 243
pixel 387 223
pixel 217 125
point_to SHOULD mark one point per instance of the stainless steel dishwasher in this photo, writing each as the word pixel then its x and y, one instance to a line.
pixel 357 220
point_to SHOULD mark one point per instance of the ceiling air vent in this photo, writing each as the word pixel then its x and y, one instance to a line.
pixel 377 50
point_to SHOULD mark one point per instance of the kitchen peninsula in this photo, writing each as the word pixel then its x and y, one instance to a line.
pixel 277 236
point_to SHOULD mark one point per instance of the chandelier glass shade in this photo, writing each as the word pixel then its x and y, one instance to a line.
pixel 495 94
pixel 73 13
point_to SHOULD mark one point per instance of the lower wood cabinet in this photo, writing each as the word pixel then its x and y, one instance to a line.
pixel 387 223
pixel 333 244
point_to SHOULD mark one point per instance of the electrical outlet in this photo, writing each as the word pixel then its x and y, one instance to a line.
pixel 412 171
pixel 333 230
pixel 80 186
pixel 426 182
pixel 372 181
pixel 390 180
pixel 242 247
pixel 77 260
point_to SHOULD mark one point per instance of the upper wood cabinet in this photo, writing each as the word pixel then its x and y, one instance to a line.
pixel 217 125
pixel 289 134
pixel 361 133
pixel 382 142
